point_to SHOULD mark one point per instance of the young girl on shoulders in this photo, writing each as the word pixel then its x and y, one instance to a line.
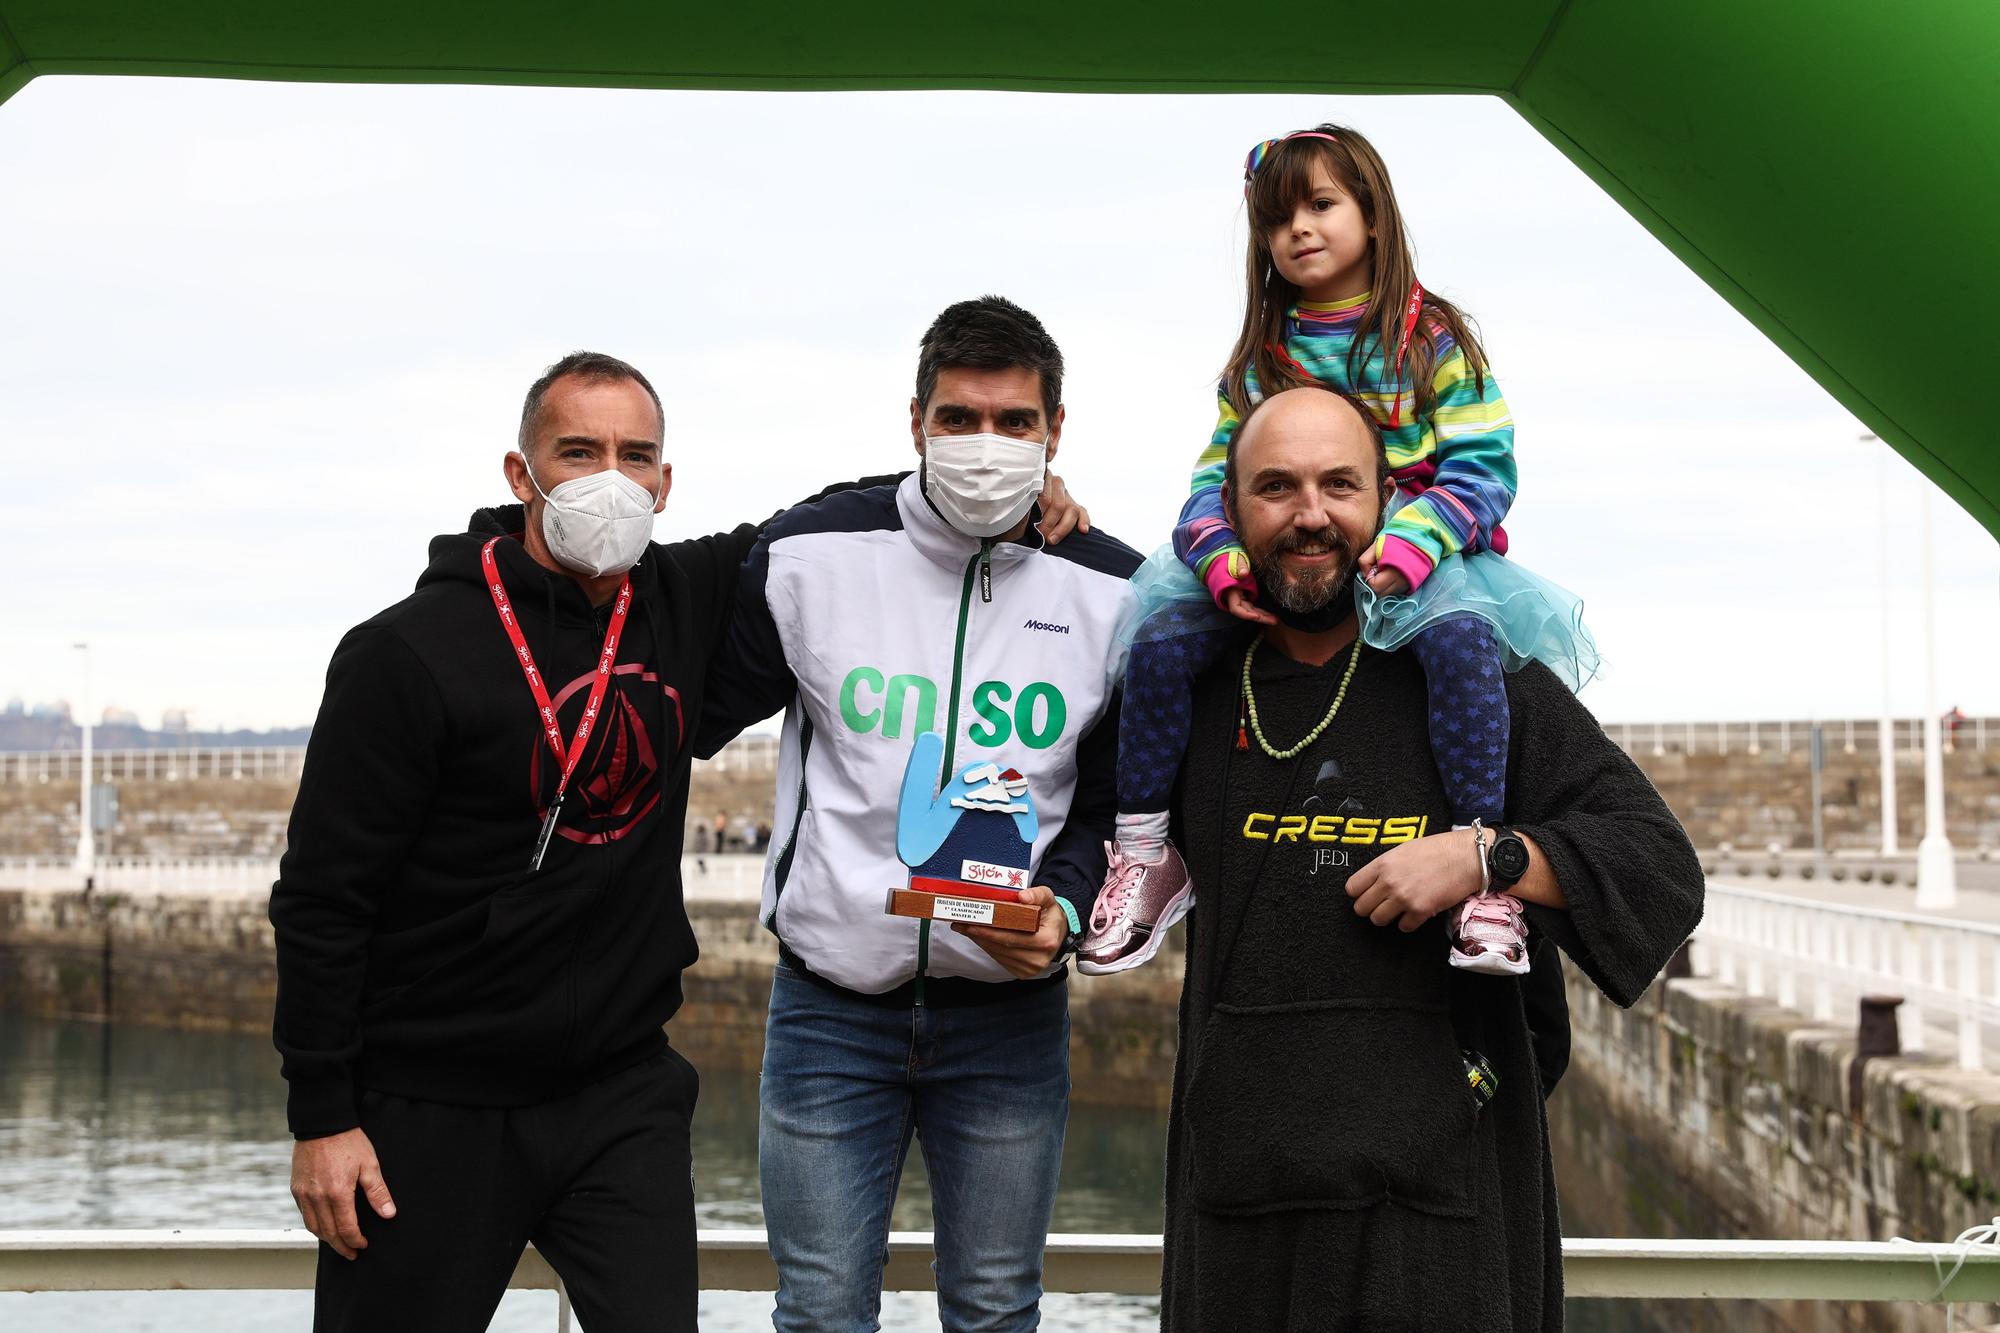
pixel 1334 300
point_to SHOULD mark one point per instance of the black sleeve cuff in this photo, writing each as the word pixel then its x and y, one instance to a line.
pixel 316 1108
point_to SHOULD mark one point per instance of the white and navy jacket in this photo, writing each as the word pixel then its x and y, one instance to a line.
pixel 871 621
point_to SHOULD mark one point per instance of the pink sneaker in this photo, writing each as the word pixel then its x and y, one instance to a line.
pixel 1140 901
pixel 1489 935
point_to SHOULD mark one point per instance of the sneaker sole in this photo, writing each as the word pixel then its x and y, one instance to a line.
pixel 1177 907
pixel 1490 964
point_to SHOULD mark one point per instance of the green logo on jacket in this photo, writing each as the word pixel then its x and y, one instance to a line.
pixel 908 706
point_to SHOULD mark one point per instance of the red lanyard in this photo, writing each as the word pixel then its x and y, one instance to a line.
pixel 551 728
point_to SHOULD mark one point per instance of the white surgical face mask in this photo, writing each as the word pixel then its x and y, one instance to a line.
pixel 983 484
pixel 596 525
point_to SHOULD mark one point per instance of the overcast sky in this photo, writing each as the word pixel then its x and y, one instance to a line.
pixel 261 341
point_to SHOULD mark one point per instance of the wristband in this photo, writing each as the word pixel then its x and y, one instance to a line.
pixel 1479 847
pixel 1073 941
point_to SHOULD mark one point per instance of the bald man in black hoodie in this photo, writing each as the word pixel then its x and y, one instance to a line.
pixel 479 918
pixel 1333 1163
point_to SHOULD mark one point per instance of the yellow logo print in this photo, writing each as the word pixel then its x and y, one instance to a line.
pixel 1351 831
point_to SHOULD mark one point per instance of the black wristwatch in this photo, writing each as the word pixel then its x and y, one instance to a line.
pixel 1506 859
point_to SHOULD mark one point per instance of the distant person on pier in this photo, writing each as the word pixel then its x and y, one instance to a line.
pixel 1356 1139
pixel 933 629
pixel 479 920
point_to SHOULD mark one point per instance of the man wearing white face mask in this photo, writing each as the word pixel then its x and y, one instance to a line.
pixel 479 918
pixel 933 611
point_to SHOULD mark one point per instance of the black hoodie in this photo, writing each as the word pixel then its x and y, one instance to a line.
pixel 416 953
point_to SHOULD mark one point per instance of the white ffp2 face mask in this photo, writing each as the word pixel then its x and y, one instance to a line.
pixel 596 525
pixel 983 484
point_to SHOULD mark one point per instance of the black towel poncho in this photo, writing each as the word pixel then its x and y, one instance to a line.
pixel 1328 1167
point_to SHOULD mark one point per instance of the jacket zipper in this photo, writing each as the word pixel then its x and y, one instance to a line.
pixel 980 565
pixel 590 902
pixel 784 869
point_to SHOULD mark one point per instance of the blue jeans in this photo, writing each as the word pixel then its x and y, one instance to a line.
pixel 985 1090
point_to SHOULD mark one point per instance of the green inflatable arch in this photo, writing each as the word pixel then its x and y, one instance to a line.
pixel 1833 169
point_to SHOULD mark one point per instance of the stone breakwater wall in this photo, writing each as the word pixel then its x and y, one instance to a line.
pixel 1121 1028
pixel 1701 1112
pixel 206 961
pixel 181 960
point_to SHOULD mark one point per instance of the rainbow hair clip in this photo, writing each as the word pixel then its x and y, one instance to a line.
pixel 1263 150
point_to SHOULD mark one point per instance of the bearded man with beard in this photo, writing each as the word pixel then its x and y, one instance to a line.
pixel 1357 1138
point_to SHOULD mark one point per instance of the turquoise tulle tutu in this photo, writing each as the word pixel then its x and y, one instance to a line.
pixel 1172 601
pixel 1533 618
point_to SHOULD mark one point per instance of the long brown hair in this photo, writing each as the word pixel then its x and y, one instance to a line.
pixel 1282 182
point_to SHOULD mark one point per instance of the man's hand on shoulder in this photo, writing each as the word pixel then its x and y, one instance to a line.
pixel 326 1172
pixel 1021 953
pixel 1061 515
pixel 1410 884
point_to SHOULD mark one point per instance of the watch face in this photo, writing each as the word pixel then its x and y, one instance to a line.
pixel 1510 859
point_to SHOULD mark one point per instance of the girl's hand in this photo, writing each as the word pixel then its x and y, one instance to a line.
pixel 1385 582
pixel 1239 604
pixel 1060 514
pixel 1388 582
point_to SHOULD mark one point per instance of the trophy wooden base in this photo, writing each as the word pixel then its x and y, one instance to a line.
pixel 976 910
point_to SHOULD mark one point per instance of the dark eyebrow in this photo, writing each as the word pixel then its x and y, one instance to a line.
pixel 1345 472
pixel 593 442
pixel 1029 411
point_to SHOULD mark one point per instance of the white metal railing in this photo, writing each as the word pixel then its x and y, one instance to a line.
pixel 759 753
pixel 144 874
pixel 729 877
pixel 738 1260
pixel 1848 735
pixel 1820 958
pixel 746 754
pixel 164 764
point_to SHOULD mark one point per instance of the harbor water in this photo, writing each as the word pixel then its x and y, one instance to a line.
pixel 108 1126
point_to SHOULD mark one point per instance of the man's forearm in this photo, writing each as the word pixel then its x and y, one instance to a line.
pixel 322 962
pixel 1539 885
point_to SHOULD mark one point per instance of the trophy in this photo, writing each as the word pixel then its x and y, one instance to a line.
pixel 969 846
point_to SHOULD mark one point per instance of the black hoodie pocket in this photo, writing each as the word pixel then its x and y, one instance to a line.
pixel 1330 1105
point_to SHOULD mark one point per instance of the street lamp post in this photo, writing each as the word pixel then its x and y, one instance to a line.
pixel 1937 868
pixel 86 839
pixel 1885 728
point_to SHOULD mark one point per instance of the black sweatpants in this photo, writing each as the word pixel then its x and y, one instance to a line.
pixel 601 1181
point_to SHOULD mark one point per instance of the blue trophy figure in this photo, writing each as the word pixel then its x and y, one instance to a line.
pixel 970 846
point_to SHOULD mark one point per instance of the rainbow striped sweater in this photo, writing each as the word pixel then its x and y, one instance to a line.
pixel 1457 464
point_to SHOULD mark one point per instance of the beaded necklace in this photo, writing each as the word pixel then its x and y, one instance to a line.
pixel 1250 704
